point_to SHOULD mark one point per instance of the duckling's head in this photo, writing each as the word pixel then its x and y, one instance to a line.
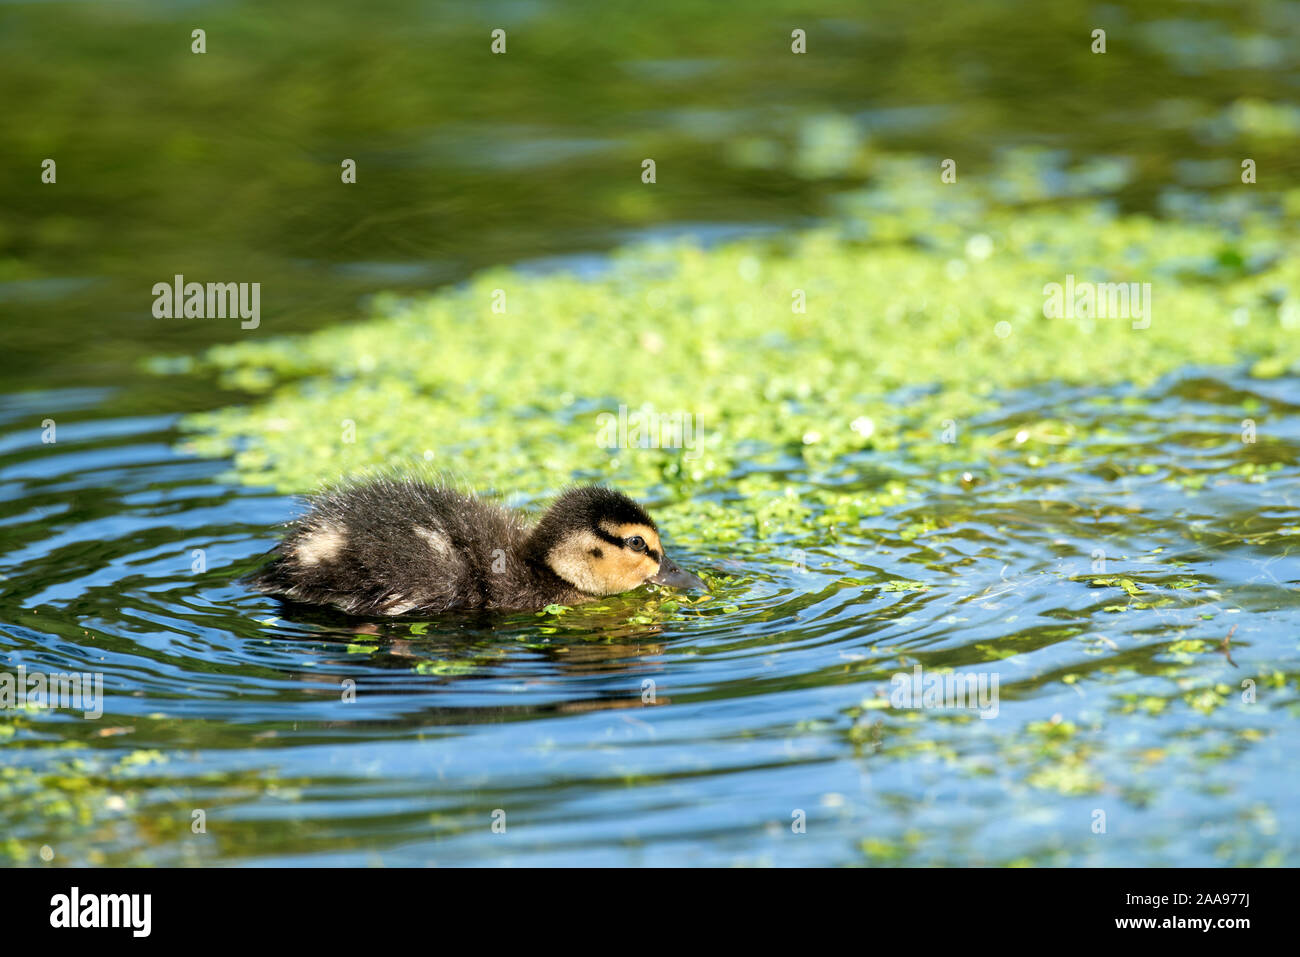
pixel 601 542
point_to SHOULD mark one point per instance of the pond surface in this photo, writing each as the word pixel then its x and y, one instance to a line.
pixel 1136 602
pixel 767 701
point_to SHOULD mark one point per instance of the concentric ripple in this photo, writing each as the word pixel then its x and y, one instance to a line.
pixel 1137 605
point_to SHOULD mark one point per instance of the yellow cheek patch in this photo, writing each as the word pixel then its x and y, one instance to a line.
pixel 598 567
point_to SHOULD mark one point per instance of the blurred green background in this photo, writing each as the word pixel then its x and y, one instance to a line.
pixel 225 165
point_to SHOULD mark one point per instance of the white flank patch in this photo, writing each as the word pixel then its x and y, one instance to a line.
pixel 321 545
pixel 439 542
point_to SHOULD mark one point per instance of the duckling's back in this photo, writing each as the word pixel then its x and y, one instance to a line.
pixel 394 547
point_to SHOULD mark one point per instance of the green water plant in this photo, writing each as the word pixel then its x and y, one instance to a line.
pixel 812 376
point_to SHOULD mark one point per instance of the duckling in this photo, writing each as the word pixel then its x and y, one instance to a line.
pixel 403 546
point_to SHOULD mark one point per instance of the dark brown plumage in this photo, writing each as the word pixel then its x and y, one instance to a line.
pixel 395 547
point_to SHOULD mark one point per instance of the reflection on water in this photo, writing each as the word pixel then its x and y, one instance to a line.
pixel 641 733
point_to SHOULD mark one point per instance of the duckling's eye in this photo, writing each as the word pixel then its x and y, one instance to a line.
pixel 636 543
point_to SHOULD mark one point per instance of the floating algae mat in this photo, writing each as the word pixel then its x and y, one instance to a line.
pixel 804 381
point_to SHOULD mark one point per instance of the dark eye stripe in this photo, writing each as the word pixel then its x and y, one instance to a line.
pixel 622 542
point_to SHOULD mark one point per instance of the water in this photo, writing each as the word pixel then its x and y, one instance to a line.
pixel 216 700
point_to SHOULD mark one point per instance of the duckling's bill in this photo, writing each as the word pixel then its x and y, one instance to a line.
pixel 672 575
